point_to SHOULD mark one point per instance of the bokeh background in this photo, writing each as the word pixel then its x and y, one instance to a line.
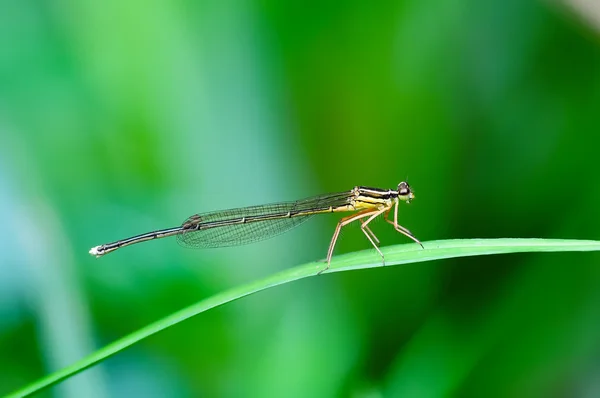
pixel 118 118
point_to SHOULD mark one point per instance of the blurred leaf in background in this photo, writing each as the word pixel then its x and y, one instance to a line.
pixel 119 118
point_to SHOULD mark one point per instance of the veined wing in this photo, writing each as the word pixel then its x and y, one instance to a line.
pixel 250 224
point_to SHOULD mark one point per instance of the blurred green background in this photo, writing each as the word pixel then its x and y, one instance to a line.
pixel 118 118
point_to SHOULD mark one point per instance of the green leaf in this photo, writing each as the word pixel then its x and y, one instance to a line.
pixel 394 255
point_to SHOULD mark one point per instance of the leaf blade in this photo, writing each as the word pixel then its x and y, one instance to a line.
pixel 394 255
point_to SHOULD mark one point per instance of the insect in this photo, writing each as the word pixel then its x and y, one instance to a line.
pixel 250 224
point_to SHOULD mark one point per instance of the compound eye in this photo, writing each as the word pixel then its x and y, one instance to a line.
pixel 403 189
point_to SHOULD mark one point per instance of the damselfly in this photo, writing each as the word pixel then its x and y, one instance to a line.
pixel 250 224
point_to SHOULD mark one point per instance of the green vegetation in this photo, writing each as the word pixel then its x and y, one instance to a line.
pixel 118 118
pixel 395 255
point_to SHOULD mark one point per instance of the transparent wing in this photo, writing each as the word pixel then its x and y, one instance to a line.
pixel 250 224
